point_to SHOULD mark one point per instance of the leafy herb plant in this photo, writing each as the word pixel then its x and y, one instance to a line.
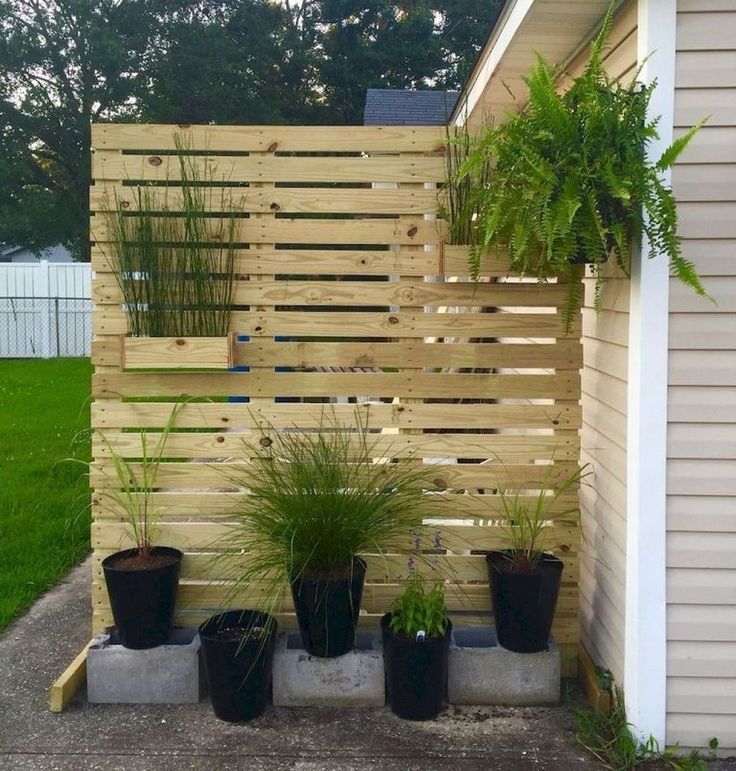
pixel 570 181
pixel 174 261
pixel 418 609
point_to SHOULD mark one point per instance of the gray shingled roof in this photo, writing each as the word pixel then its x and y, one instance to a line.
pixel 397 107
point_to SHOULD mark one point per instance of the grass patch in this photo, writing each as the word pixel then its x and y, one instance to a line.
pixel 44 501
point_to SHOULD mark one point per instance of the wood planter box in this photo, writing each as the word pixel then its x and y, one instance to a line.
pixel 177 352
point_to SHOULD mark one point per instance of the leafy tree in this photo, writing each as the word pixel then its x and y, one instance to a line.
pixel 63 64
pixel 67 63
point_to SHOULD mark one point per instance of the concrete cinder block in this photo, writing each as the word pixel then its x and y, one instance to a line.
pixel 169 674
pixel 482 672
pixel 353 680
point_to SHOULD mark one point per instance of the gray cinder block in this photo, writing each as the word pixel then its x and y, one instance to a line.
pixel 353 680
pixel 168 674
pixel 482 672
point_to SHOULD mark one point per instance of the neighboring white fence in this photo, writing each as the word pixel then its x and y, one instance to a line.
pixel 45 310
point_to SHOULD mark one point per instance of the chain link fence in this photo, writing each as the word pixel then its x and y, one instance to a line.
pixel 45 327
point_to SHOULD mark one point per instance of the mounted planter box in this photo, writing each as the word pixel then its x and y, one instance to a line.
pixel 178 352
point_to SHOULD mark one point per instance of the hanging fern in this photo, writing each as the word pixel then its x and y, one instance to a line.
pixel 570 181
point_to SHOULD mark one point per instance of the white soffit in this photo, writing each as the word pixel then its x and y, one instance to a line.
pixel 554 28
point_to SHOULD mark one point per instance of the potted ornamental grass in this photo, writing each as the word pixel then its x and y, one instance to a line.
pixel 416 647
pixel 317 501
pixel 525 577
pixel 141 581
pixel 567 180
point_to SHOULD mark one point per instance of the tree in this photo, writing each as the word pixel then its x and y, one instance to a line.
pixel 63 64
pixel 67 63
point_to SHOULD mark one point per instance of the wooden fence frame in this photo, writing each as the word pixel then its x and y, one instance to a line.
pixel 433 324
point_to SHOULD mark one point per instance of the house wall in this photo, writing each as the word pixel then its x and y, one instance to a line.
pixel 701 510
pixel 603 439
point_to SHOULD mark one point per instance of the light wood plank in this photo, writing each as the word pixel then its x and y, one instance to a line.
pixel 259 383
pixel 111 320
pixel 444 445
pixel 374 414
pixel 221 353
pixel 281 200
pixel 270 230
pixel 110 165
pixel 372 293
pixel 328 139
pixel 168 352
pixel 449 261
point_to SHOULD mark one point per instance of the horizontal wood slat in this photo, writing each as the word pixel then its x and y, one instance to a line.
pixel 329 139
pixel 442 261
pixel 348 384
pixel 302 231
pixel 281 200
pixel 449 476
pixel 111 165
pixel 217 352
pixel 442 359
pixel 111 320
pixel 213 505
pixel 374 414
pixel 357 293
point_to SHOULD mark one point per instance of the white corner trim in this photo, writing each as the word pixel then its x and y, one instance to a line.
pixel 506 29
pixel 645 640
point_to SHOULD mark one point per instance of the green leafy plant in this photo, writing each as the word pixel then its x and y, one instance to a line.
pixel 316 500
pixel 134 488
pixel 571 181
pixel 174 261
pixel 418 609
pixel 528 526
pixel 609 736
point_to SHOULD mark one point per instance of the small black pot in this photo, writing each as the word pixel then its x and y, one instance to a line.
pixel 238 671
pixel 142 600
pixel 523 601
pixel 327 610
pixel 416 672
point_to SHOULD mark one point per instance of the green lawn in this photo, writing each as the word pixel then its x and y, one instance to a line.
pixel 44 500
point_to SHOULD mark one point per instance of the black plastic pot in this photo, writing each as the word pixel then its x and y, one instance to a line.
pixel 142 599
pixel 523 601
pixel 416 672
pixel 237 647
pixel 327 610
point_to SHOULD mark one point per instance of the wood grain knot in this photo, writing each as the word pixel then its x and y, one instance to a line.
pixel 155 160
pixel 184 125
pixel 274 206
pixel 124 204
pixel 440 483
pixel 220 439
pixel 412 231
pixel 272 147
pixel 265 441
pixel 393 320
pixel 181 342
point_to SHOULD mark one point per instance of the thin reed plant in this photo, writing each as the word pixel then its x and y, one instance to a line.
pixel 174 261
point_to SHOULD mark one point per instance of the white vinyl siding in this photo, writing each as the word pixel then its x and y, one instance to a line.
pixel 701 509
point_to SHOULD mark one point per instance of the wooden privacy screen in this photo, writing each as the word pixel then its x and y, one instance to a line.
pixel 344 283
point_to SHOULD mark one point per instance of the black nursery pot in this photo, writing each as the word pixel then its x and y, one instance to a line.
pixel 416 672
pixel 327 610
pixel 143 599
pixel 237 647
pixel 524 601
